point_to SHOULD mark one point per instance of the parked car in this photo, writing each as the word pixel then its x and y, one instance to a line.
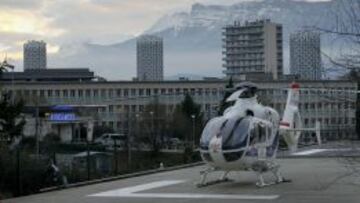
pixel 108 140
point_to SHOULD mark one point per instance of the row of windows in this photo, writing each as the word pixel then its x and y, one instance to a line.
pixel 318 106
pixel 332 121
pixel 141 108
pixel 111 93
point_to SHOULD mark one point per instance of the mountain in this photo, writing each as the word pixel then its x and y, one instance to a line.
pixel 193 40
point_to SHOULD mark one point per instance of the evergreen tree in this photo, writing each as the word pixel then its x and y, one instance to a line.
pixel 183 119
pixel 11 123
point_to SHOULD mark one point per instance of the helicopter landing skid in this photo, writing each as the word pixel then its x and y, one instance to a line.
pixel 261 185
pixel 204 183
pixel 199 185
pixel 279 179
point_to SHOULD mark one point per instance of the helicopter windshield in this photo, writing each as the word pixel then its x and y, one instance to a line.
pixel 237 137
pixel 210 130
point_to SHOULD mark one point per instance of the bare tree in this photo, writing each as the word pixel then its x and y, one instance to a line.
pixel 346 30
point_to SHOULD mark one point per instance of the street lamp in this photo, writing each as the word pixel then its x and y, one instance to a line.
pixel 193 133
pixel 152 135
pixel 152 121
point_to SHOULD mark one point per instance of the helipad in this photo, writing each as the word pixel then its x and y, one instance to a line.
pixel 313 180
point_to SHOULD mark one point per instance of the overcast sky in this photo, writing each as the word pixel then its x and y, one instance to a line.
pixel 72 21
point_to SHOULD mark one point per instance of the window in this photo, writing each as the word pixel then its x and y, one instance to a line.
pixel 34 93
pixel 118 92
pixel 133 92
pixel 72 93
pixel 163 91
pixel 65 93
pixel 214 92
pixel 96 93
pixel 103 93
pixel 319 105
pixel 88 93
pixel 126 92
pixel 200 91
pixel 81 93
pixel 42 93
pixel 111 108
pixel 207 91
pixel 133 108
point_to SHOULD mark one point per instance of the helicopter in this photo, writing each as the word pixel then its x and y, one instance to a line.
pixel 246 137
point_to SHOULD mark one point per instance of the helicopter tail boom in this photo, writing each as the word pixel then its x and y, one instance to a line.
pixel 291 119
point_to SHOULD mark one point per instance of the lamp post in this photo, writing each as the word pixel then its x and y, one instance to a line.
pixel 193 131
pixel 152 126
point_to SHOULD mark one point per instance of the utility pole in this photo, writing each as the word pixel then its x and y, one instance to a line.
pixel 116 158
pixel 152 128
pixel 37 131
pixel 129 141
pixel 193 131
pixel 88 159
pixel 18 179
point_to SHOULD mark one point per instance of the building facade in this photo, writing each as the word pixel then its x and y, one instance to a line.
pixel 253 48
pixel 34 55
pixel 149 53
pixel 120 102
pixel 305 57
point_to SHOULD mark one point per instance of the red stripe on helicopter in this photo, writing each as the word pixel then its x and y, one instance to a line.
pixel 295 85
pixel 285 124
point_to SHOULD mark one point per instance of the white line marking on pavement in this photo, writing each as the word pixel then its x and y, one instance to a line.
pixel 131 192
pixel 315 151
pixel 309 152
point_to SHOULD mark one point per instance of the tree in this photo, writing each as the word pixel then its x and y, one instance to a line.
pixel 229 89
pixel 153 126
pixel 11 121
pixel 346 29
pixel 185 114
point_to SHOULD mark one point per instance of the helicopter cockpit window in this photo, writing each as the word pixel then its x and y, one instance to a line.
pixel 237 137
pixel 211 130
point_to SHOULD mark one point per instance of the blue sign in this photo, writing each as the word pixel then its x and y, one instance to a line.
pixel 62 117
pixel 63 108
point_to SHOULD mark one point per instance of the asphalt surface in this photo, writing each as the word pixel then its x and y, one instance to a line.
pixel 315 177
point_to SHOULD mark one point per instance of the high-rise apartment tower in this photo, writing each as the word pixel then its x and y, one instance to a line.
pixel 305 57
pixel 253 48
pixel 150 58
pixel 34 55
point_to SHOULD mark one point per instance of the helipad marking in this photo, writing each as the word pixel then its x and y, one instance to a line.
pixel 131 192
pixel 309 152
pixel 315 151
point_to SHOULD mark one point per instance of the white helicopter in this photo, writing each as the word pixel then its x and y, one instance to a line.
pixel 246 136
